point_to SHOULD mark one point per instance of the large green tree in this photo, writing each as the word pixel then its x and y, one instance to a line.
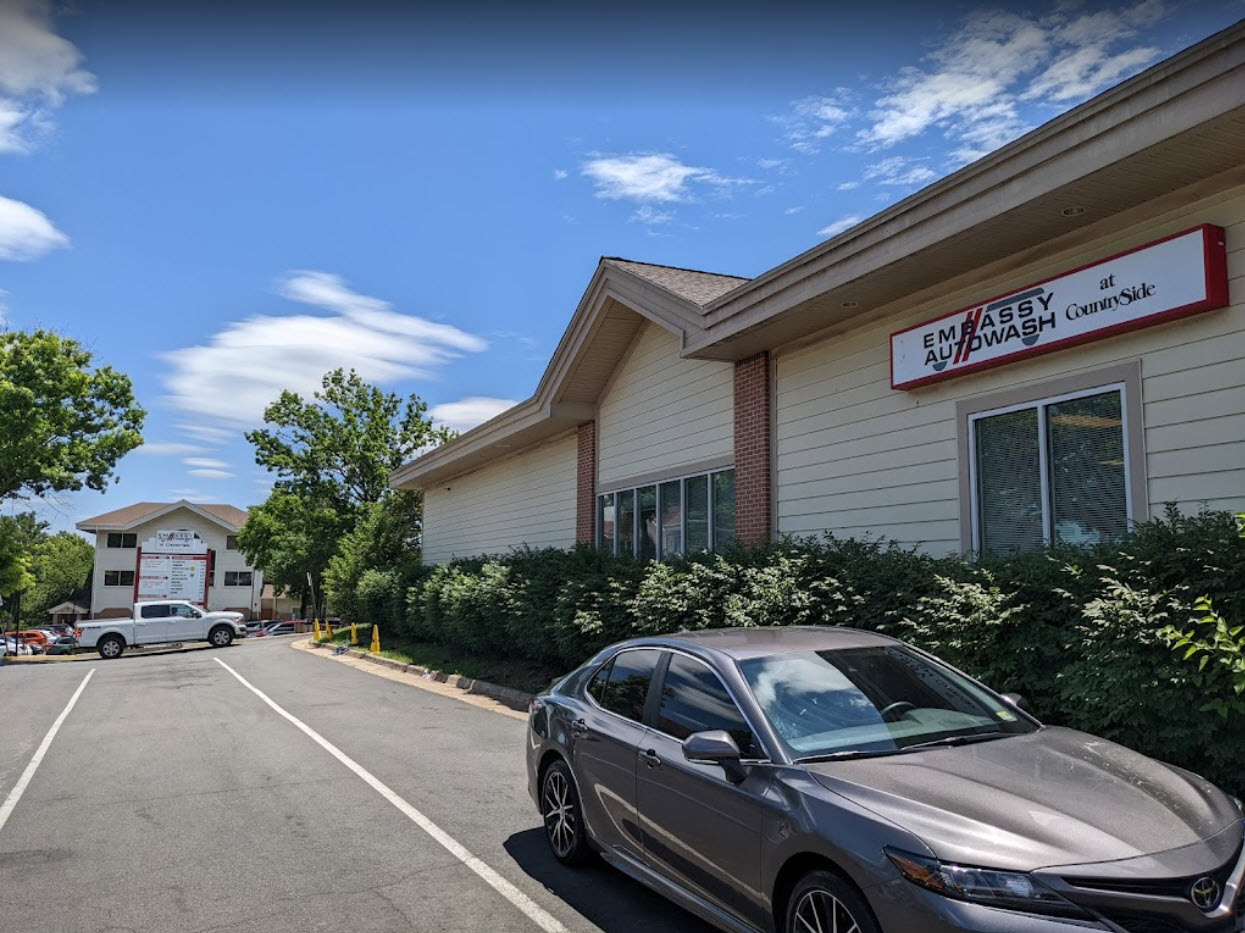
pixel 60 566
pixel 386 537
pixel 63 424
pixel 332 455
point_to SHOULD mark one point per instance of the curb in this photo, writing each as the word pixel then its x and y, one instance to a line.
pixel 89 654
pixel 515 699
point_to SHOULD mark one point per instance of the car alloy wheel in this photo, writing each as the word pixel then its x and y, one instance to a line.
pixel 222 637
pixel 561 823
pixel 820 911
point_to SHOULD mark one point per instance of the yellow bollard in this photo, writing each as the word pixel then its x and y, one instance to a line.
pixel 375 640
pixel 328 630
pixel 316 623
pixel 354 634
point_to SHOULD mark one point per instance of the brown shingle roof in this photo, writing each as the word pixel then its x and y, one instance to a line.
pixel 697 287
pixel 133 514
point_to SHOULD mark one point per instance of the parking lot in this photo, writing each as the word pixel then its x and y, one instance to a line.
pixel 261 788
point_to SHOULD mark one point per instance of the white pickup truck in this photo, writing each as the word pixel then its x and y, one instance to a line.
pixel 159 622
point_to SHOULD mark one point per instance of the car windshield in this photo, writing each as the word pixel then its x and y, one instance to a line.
pixel 873 701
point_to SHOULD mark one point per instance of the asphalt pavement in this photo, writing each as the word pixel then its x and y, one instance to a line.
pixel 175 798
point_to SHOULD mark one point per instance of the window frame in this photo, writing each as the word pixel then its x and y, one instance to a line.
pixel 121 544
pixel 120 578
pixel 657 482
pixel 658 673
pixel 1124 378
pixel 236 574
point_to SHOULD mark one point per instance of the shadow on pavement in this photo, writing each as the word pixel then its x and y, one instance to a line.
pixel 600 894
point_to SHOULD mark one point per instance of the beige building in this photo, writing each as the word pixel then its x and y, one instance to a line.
pixel 202 539
pixel 1047 345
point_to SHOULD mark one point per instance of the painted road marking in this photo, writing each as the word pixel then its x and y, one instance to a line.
pixel 537 914
pixel 22 782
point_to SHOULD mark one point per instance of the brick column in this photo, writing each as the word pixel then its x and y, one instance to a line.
pixel 753 495
pixel 586 485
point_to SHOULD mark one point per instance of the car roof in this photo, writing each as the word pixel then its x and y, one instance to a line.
pixel 758 642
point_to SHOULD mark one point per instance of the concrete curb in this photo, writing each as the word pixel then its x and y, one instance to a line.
pixel 89 654
pixel 515 699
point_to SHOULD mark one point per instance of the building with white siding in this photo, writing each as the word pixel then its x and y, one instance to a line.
pixel 1047 345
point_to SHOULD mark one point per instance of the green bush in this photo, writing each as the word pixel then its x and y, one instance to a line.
pixel 1085 633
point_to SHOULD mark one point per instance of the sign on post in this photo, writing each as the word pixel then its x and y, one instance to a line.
pixel 1170 278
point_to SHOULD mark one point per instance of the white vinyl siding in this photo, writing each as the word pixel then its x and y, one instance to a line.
pixel 662 412
pixel 526 499
pixel 857 458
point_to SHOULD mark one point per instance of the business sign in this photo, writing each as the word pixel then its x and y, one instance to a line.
pixel 1170 278
pixel 172 565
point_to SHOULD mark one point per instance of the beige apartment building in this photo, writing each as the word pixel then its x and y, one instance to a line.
pixel 1047 345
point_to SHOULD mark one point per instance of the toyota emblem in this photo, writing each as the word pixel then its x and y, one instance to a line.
pixel 1205 893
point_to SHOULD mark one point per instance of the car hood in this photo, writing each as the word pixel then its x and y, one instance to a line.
pixel 1055 797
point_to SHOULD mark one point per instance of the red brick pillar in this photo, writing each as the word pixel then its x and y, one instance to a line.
pixel 586 485
pixel 753 494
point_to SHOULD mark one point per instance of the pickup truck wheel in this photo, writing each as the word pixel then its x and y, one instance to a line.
pixel 221 636
pixel 111 646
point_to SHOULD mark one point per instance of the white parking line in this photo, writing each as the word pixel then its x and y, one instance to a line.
pixel 537 914
pixel 22 782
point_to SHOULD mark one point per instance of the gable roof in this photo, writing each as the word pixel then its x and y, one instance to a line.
pixel 229 517
pixel 695 286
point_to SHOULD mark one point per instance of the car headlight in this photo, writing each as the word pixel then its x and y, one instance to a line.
pixel 1010 890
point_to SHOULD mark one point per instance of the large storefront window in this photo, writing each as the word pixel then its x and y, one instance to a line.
pixel 677 516
pixel 1053 471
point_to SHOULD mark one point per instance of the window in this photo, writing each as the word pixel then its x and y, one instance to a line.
pixel 237 578
pixel 231 542
pixel 122 539
pixel 694 700
pixel 622 685
pixel 118 578
pixel 1051 471
pixel 677 516
pixel 184 612
pixel 158 611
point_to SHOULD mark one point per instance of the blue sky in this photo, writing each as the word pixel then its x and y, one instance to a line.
pixel 225 201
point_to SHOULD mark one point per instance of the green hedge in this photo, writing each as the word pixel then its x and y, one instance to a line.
pixel 1079 631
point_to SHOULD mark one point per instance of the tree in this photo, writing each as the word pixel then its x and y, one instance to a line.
pixel 18 534
pixel 386 537
pixel 333 455
pixel 60 566
pixel 63 425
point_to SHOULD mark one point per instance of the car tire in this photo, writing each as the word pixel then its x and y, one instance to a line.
pixel 110 647
pixel 221 636
pixel 824 901
pixel 563 816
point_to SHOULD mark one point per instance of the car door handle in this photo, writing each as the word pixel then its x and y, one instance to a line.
pixel 651 758
pixel 579 727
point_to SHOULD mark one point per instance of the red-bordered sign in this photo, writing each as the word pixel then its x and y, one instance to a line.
pixel 1182 274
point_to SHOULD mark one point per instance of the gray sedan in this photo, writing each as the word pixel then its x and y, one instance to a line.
pixel 822 780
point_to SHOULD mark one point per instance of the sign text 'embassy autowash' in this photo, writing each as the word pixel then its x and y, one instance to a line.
pixel 1180 275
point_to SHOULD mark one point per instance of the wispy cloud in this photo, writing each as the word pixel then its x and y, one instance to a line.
pixel 559 174
pixel 898 170
pixel 839 226
pixel 650 215
pixel 793 210
pixel 38 70
pixel 654 177
pixel 812 120
pixel 26 233
pixel 228 381
pixel 466 413
pixel 849 185
pixel 208 433
pixel 207 473
pixel 168 449
pixel 206 463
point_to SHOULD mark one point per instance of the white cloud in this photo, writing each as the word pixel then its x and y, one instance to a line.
pixel 769 164
pixel 38 69
pixel 559 174
pixel 211 474
pixel 26 233
pixel 466 413
pixel 651 177
pixel 793 210
pixel 206 463
pixel 849 185
pixel 207 433
pixel 839 226
pixel 242 368
pixel 813 120
pixel 650 215
pixel 897 170
pixel 168 448
pixel 4 307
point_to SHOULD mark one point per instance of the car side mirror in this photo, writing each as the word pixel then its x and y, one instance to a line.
pixel 1016 700
pixel 717 746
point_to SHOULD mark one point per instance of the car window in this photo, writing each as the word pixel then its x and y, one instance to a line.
pixel 155 612
pixel 596 688
pixel 184 612
pixel 626 688
pixel 693 699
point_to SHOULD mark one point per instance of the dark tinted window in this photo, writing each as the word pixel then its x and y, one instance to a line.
pixel 694 700
pixel 629 679
pixel 155 612
pixel 597 687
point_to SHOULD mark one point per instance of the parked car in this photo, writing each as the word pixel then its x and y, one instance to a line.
pixel 65 645
pixel 11 646
pixel 819 779
pixel 161 622
pixel 280 628
pixel 32 637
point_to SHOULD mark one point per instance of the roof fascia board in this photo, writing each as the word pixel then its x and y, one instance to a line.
pixel 1193 88
pixel 90 525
